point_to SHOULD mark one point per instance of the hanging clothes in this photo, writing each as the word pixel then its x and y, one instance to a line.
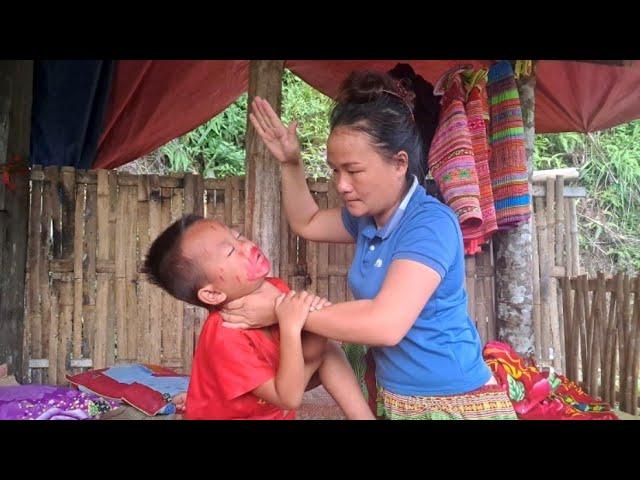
pixel 508 160
pixel 451 160
pixel 477 109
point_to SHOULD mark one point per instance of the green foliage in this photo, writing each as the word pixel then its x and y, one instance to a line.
pixel 217 148
pixel 609 218
pixel 214 149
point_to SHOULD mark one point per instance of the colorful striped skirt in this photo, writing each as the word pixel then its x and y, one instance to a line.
pixel 489 402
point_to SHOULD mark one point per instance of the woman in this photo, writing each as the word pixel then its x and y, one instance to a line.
pixel 408 271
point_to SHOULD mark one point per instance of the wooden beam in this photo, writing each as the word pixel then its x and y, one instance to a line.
pixel 569 192
pixel 17 81
pixel 262 181
pixel 570 173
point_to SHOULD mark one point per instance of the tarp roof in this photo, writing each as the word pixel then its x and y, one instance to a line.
pixel 154 101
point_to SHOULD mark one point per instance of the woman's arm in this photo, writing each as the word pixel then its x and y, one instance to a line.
pixel 305 218
pixel 385 320
pixel 303 214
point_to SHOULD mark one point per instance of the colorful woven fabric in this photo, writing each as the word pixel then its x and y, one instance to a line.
pixel 537 395
pixel 477 113
pixel 451 160
pixel 489 402
pixel 508 160
pixel 356 355
pixel 361 360
pixel 571 394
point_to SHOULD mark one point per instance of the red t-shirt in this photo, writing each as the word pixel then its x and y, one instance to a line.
pixel 228 365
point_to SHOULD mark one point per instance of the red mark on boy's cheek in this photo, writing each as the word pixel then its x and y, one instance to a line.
pixel 221 278
pixel 251 272
pixel 238 278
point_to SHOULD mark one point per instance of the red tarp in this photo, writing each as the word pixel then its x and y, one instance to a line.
pixel 154 101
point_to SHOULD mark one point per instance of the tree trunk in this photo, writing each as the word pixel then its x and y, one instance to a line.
pixel 514 254
pixel 262 181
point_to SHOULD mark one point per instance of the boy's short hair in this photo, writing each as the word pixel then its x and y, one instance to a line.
pixel 167 267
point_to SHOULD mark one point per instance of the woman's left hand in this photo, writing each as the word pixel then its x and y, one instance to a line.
pixel 252 311
pixel 257 311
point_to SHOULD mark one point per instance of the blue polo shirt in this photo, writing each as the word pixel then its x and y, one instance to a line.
pixel 442 352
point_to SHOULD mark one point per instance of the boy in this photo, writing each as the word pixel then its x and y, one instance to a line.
pixel 246 374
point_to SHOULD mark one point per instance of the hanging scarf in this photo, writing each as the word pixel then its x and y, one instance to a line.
pixel 477 110
pixel 508 160
pixel 451 159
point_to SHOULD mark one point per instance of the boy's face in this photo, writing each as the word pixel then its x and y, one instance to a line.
pixel 233 265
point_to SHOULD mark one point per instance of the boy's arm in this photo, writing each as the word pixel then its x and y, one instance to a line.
pixel 268 392
pixel 313 346
pixel 287 388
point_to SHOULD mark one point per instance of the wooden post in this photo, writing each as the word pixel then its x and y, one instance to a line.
pixel 553 283
pixel 5 113
pixel 144 241
pixel 630 372
pixel 559 239
pixel 262 182
pixel 513 255
pixel 544 283
pixel 568 326
pixel 78 252
pixel 575 250
pixel 635 363
pixel 32 345
pixel 155 294
pixel 16 80
pixel 616 300
pixel 90 243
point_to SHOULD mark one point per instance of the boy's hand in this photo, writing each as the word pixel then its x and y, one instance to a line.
pixel 293 308
pixel 319 303
pixel 180 401
pixel 257 311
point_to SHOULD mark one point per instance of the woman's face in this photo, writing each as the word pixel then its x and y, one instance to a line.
pixel 369 183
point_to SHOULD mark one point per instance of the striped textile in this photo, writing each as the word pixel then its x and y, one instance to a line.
pixel 489 402
pixel 508 160
pixel 477 109
pixel 451 160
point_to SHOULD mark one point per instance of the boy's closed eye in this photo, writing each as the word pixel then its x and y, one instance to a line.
pixel 236 235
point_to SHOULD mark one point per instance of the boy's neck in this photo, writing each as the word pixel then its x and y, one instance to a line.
pixel 262 287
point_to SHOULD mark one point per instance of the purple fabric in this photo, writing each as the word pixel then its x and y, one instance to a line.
pixel 47 402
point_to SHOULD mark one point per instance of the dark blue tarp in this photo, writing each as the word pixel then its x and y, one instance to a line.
pixel 69 104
